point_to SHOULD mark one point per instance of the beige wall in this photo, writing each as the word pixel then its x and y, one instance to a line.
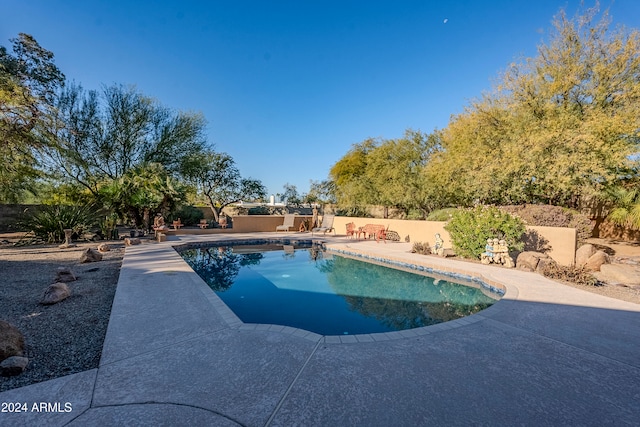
pixel 252 223
pixel 559 243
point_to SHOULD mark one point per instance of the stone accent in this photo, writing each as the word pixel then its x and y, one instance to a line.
pixel 620 273
pixel 11 341
pixel 14 365
pixel 531 261
pixel 129 241
pixel 103 247
pixel 90 255
pixel 65 275
pixel 596 260
pixel 55 293
pixel 583 254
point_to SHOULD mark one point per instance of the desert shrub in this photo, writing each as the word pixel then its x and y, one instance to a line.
pixel 571 274
pixel 441 214
pixel 49 222
pixel 415 214
pixel 188 215
pixel 421 248
pixel 553 216
pixel 470 228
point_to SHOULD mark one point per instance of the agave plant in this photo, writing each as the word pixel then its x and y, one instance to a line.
pixel 50 221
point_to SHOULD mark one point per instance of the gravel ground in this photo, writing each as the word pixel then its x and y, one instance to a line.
pixel 66 337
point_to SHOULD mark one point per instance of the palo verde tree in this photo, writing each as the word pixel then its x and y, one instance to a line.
pixel 123 148
pixel 560 126
pixel 104 136
pixel 29 80
pixel 387 173
pixel 217 178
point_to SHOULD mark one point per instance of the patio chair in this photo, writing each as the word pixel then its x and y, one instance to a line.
pixel 287 224
pixel 327 225
pixel 351 230
pixel 203 224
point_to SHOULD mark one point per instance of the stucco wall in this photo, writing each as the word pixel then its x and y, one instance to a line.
pixel 253 223
pixel 559 243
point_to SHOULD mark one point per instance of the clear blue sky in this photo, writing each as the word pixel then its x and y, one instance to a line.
pixel 288 86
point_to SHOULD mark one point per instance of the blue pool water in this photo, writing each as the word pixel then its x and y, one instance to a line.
pixel 305 287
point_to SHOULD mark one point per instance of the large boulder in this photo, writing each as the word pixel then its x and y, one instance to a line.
pixel 55 293
pixel 533 261
pixel 583 254
pixel 596 260
pixel 13 365
pixel 90 255
pixel 103 247
pixel 620 273
pixel 11 341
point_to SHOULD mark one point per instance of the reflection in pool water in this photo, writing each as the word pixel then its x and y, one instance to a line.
pixel 307 288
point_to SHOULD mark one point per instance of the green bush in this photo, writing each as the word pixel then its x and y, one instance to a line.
pixel 441 214
pixel 188 215
pixel 49 222
pixel 470 228
pixel 553 216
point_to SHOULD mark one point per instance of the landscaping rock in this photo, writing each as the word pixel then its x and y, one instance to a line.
pixel 583 254
pixel 620 273
pixel 11 341
pixel 14 365
pixel 55 293
pixel 529 260
pixel 103 247
pixel 90 255
pixel 544 263
pixel 65 275
pixel 596 260
pixel 129 241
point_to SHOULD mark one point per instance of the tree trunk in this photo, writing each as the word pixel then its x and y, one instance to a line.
pixel 216 211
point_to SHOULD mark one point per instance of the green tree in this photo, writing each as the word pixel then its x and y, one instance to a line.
pixel 560 126
pixel 353 190
pixel 320 192
pixel 395 170
pixel 387 173
pixel 103 137
pixel 142 191
pixel 217 178
pixel 28 81
pixel 291 195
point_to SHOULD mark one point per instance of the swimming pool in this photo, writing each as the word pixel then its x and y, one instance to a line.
pixel 302 286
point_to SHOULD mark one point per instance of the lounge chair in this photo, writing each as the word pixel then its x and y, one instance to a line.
pixel 288 222
pixel 327 225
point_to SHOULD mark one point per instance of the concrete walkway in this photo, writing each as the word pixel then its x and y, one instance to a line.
pixel 174 354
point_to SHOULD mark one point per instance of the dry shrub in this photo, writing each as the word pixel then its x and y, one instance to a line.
pixel 421 248
pixel 553 216
pixel 571 274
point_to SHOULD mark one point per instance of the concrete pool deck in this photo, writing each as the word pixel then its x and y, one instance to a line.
pixel 174 354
